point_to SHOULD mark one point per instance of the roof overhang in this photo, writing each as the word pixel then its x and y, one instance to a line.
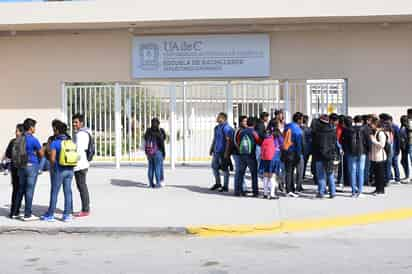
pixel 107 14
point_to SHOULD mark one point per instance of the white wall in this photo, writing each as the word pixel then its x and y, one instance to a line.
pixel 377 63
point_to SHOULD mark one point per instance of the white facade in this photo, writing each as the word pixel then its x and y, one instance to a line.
pixel 43 45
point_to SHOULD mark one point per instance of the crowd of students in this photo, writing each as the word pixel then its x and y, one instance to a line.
pixel 63 156
pixel 344 151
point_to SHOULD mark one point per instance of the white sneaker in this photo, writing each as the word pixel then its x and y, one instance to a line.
pixel 361 195
pixel 30 219
pixel 162 184
pixel 396 183
pixel 293 195
pixel 406 181
pixel 391 181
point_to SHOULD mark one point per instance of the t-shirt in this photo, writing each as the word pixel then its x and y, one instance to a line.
pixel 57 146
pixel 82 139
pixel 32 147
pixel 222 132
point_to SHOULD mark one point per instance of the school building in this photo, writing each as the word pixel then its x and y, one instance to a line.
pixel 123 62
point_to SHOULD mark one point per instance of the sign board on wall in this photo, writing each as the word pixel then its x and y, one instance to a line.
pixel 203 56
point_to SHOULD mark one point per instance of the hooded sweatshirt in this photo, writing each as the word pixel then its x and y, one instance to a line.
pixel 324 143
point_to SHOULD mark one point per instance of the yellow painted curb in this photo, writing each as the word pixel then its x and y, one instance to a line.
pixel 301 225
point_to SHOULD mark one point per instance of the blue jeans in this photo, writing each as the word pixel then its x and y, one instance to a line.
pixel 258 159
pixel 395 165
pixel 322 176
pixel 410 155
pixel 59 178
pixel 44 164
pixel 357 172
pixel 27 184
pixel 249 161
pixel 155 168
pixel 216 166
pixel 238 181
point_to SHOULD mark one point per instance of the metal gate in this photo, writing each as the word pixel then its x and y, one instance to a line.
pixel 119 114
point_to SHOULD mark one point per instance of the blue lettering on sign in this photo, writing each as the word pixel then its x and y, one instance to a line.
pixel 183 46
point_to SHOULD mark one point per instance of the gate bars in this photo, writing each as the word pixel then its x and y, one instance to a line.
pixel 119 113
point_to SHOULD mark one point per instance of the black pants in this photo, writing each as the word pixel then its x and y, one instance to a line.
pixel 290 167
pixel 379 172
pixel 83 189
pixel 250 162
pixel 15 204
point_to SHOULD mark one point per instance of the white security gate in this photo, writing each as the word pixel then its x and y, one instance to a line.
pixel 119 114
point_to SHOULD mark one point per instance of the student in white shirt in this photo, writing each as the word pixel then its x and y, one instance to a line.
pixel 82 138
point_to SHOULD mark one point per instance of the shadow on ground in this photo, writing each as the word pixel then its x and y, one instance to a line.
pixel 127 183
pixel 37 210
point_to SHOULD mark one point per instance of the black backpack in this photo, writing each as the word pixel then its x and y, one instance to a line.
pixel 388 146
pixel 91 148
pixel 357 142
pixel 19 155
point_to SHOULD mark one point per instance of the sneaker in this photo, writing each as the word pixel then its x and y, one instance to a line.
pixel 360 195
pixel 265 196
pixel 332 196
pixel 31 218
pixel 320 196
pixel 215 187
pixel 396 183
pixel 6 172
pixel 162 184
pixel 274 197
pixel 355 195
pixel 47 218
pixel 406 181
pixel 67 218
pixel 391 181
pixel 82 214
pixel 293 195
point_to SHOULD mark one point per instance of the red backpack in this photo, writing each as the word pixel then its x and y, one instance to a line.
pixel 268 148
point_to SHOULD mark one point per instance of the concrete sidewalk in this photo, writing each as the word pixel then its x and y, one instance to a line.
pixel 122 202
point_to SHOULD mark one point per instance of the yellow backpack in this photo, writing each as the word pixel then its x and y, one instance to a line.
pixel 68 154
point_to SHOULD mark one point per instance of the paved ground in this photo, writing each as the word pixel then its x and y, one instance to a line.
pixel 121 198
pixel 383 248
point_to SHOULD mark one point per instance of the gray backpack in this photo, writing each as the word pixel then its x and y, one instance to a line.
pixel 19 153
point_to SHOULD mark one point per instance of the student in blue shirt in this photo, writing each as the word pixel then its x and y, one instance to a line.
pixel 28 174
pixel 62 175
pixel 220 150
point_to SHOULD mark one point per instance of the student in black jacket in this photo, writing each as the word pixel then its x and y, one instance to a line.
pixel 155 151
pixel 15 206
pixel 324 155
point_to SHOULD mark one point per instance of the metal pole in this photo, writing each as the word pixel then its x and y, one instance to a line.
pixel 345 97
pixel 172 122
pixel 287 101
pixel 184 135
pixel 229 102
pixel 308 101
pixel 64 102
pixel 118 123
